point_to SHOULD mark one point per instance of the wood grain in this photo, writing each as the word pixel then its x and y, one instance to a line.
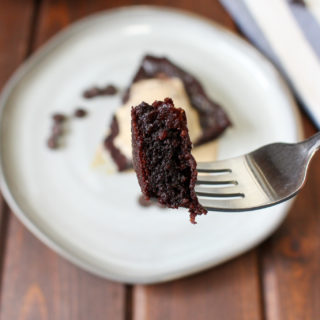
pixel 39 285
pixel 291 258
pixel 14 42
pixel 15 22
pixel 229 292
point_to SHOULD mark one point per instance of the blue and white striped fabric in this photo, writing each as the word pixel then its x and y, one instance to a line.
pixel 288 32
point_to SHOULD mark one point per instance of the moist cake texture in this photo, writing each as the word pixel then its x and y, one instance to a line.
pixel 211 117
pixel 161 153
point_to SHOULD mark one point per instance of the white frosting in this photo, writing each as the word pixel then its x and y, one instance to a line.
pixel 148 91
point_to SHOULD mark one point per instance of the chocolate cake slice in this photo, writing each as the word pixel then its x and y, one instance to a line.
pixel 210 117
pixel 161 153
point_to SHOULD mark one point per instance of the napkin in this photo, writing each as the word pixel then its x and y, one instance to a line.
pixel 288 33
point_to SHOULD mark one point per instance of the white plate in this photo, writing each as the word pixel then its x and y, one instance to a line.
pixel 93 219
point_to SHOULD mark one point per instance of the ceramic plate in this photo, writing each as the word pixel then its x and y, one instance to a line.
pixel 93 218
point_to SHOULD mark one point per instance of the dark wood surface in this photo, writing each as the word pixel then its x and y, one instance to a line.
pixel 279 280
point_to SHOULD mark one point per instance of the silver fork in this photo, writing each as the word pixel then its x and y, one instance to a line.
pixel 262 178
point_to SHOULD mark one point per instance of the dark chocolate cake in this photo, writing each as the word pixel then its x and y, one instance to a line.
pixel 213 120
pixel 161 153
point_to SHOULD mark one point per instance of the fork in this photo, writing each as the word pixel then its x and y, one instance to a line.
pixel 265 177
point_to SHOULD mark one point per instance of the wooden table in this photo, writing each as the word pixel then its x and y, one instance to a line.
pixel 278 280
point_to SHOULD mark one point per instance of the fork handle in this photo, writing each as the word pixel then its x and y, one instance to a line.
pixel 312 144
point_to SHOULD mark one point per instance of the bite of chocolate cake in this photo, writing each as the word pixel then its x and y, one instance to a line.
pixel 161 153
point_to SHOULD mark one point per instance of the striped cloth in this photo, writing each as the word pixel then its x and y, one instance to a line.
pixel 288 32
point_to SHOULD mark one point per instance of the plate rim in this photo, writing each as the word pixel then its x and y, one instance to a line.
pixel 42 235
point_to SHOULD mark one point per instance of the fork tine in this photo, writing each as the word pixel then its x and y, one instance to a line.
pixel 203 190
pixel 216 166
pixel 217 179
